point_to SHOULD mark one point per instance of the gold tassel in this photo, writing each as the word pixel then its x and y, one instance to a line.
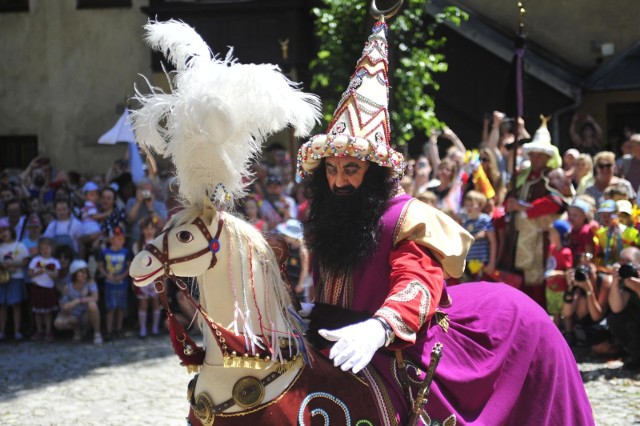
pixel 443 320
pixel 193 368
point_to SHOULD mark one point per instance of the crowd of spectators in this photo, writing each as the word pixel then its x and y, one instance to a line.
pixel 586 218
pixel 67 242
pixel 69 238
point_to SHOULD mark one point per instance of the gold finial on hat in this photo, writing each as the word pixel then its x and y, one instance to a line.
pixel 381 14
pixel 544 120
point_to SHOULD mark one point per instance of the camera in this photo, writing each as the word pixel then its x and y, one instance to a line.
pixel 626 271
pixel 582 272
pixel 146 194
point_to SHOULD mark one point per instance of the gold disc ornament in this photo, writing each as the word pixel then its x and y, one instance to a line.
pixel 248 392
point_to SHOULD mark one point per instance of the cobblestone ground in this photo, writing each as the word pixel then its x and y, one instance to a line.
pixel 139 382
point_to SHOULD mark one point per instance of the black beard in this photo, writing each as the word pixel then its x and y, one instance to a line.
pixel 343 230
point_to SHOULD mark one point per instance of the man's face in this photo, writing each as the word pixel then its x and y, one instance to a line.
pixel 62 211
pixel 13 211
pixel 626 256
pixel 6 195
pixel 345 174
pixel 274 188
pixel 605 218
pixel 538 160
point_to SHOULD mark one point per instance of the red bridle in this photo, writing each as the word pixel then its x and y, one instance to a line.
pixel 212 247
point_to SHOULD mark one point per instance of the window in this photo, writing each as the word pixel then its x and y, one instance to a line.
pixel 100 4
pixel 14 5
pixel 17 151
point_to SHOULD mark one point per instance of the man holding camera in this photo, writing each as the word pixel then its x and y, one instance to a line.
pixel 142 205
pixel 586 298
pixel 624 300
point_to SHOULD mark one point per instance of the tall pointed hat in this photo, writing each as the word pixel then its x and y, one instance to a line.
pixel 360 125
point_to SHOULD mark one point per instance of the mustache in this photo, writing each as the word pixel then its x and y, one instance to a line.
pixel 343 190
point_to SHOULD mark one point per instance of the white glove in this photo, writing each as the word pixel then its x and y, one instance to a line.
pixel 355 344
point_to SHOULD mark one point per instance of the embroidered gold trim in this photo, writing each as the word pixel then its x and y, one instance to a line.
pixel 402 330
pixel 410 292
pixel 381 395
pixel 256 363
pixel 400 222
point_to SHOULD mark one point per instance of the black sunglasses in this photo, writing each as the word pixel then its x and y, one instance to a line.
pixel 605 165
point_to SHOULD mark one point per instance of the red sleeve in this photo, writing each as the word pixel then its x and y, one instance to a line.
pixel 542 206
pixel 416 286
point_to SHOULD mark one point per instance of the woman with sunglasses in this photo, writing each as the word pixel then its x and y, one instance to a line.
pixel 604 176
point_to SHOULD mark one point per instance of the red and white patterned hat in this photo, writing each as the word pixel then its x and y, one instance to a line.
pixel 360 124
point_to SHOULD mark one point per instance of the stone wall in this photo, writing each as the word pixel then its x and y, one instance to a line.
pixel 62 74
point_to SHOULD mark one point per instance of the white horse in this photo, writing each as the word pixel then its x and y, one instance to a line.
pixel 243 295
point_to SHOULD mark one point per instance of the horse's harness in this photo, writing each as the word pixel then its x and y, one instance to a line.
pixel 213 247
pixel 191 355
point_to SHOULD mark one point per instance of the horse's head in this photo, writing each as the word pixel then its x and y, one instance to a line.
pixel 187 247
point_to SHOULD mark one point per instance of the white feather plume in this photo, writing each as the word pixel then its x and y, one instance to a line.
pixel 217 116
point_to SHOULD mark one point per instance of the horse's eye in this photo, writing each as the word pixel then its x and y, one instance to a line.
pixel 184 236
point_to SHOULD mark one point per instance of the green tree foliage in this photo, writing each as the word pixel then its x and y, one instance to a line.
pixel 342 28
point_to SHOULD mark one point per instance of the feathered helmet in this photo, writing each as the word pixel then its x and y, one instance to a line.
pixel 360 124
pixel 217 116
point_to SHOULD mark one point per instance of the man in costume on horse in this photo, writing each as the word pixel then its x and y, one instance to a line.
pixel 380 260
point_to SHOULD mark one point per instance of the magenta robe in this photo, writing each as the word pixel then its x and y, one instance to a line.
pixel 504 362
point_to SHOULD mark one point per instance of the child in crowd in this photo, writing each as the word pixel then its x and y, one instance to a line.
pixel 13 255
pixel 581 238
pixel 114 266
pixel 613 236
pixel 559 261
pixel 482 254
pixel 89 214
pixel 428 197
pixel 79 303
pixel 43 270
pixel 33 234
pixel 30 240
pixel 298 265
pixel 149 230
pixel 252 211
pixel 625 212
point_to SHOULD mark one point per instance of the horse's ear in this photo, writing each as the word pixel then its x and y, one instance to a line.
pixel 208 211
